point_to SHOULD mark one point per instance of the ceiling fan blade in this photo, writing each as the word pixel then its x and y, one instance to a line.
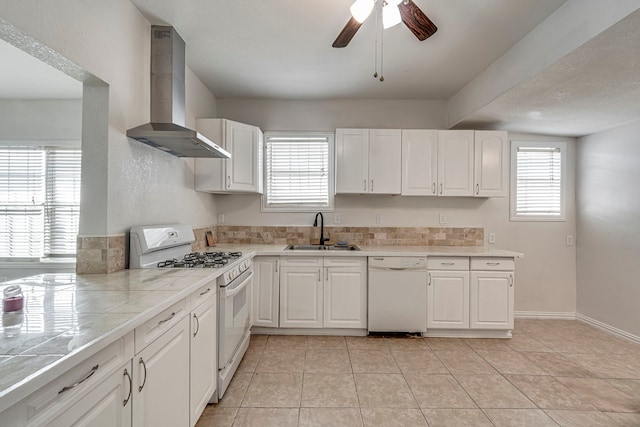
pixel 416 20
pixel 347 33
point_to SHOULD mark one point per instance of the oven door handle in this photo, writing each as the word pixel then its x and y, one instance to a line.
pixel 240 287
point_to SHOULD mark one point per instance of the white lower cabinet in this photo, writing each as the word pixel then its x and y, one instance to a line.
pixel 108 404
pixel 345 292
pixel 448 300
pixel 301 293
pixel 492 299
pixel 203 353
pixel 480 299
pixel 161 379
pixel 323 292
pixel 266 291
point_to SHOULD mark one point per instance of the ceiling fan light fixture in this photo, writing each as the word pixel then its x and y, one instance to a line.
pixel 390 14
pixel 361 9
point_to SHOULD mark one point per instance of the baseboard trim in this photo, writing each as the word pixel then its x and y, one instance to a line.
pixel 605 327
pixel 544 315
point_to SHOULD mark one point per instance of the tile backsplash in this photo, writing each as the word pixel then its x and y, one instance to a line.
pixel 101 254
pixel 411 236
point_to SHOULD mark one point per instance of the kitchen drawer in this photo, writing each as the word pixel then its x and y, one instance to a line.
pixel 301 261
pixel 61 393
pixel 201 295
pixel 460 263
pixel 345 261
pixel 490 264
pixel 146 333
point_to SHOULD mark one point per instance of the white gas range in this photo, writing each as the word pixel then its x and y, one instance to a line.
pixel 169 246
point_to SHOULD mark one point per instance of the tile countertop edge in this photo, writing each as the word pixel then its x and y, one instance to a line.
pixel 279 250
pixel 23 388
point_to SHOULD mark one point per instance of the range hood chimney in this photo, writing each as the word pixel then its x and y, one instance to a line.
pixel 167 130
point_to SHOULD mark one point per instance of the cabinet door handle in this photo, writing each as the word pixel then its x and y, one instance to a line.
pixel 228 181
pixel 440 188
pixel 197 324
pixel 141 362
pixel 365 185
pixel 477 188
pixel 77 383
pixel 171 316
pixel 326 274
pixel 124 403
pixel 433 188
pixel 429 279
pixel 277 262
pixel 319 279
pixel 372 186
pixel 205 292
pixel 511 280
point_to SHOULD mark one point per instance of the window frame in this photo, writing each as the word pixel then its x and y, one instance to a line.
pixel 514 216
pixel 264 207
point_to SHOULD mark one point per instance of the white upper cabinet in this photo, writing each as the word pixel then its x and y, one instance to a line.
pixel 368 161
pixel 419 162
pixel 491 163
pixel 455 162
pixel 242 173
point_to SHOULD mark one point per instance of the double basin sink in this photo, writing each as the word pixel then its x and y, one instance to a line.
pixel 322 248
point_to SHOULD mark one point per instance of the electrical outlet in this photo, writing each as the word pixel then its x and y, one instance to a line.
pixel 379 219
pixel 492 238
pixel 220 218
pixel 569 240
pixel 336 218
pixel 443 218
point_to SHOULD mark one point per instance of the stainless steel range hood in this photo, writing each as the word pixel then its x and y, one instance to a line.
pixel 167 130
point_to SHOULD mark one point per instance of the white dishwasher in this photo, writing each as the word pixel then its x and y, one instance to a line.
pixel 398 294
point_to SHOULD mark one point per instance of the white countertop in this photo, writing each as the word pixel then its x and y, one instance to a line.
pixel 69 317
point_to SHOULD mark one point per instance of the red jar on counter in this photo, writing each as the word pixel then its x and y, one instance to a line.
pixel 13 299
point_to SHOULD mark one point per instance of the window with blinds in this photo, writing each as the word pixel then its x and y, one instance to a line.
pixel 537 181
pixel 298 172
pixel 39 202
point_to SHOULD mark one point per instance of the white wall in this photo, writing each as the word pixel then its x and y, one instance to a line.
pixel 545 276
pixel 111 40
pixel 40 119
pixel 608 197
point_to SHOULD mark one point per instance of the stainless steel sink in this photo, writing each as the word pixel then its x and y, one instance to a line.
pixel 322 248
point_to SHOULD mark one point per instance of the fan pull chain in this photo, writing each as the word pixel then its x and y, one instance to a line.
pixel 382 57
pixel 375 50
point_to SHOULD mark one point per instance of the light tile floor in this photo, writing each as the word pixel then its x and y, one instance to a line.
pixel 551 373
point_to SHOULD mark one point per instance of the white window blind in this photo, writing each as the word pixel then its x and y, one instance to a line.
pixel 39 202
pixel 297 172
pixel 538 182
pixel 62 210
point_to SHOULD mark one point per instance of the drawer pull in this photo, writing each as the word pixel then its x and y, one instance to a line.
pixel 171 316
pixel 447 263
pixel 124 403
pixel 77 383
pixel 197 324
pixel 205 292
pixel 141 362
pixel 493 264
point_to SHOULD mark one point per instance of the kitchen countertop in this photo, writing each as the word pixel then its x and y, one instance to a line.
pixel 69 317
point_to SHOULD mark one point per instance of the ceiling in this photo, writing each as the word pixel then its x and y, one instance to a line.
pixel 281 49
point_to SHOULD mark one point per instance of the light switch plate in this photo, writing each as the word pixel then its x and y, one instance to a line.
pixel 336 218
pixel 492 238
pixel 569 240
pixel 220 218
pixel 442 218
pixel 379 219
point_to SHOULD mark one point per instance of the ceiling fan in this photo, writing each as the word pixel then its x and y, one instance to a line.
pixel 393 11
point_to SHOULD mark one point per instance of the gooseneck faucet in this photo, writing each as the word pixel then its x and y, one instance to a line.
pixel 315 224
